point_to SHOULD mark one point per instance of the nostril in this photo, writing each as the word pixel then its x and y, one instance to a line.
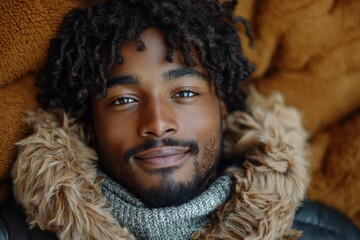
pixel 157 124
pixel 169 130
pixel 158 133
pixel 149 133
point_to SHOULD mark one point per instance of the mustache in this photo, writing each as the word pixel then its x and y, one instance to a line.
pixel 152 143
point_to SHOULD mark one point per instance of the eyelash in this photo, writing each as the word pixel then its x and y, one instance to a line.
pixel 129 100
pixel 122 99
pixel 192 93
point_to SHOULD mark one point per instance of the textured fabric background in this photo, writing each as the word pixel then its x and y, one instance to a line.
pixel 308 50
pixel 25 30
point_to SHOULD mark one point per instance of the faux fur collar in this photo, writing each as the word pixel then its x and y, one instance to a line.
pixel 55 176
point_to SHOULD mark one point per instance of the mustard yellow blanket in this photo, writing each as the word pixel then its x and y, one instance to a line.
pixel 307 50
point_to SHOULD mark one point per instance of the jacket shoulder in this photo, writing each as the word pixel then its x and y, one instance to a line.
pixel 317 221
pixel 13 225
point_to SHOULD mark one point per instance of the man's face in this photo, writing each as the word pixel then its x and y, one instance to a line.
pixel 158 130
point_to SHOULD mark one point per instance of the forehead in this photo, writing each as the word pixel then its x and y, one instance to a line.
pixel 153 57
pixel 154 40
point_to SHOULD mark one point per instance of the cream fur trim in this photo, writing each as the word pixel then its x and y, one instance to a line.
pixel 55 181
pixel 274 177
pixel 55 177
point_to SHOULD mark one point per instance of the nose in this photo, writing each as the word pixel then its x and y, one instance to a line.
pixel 157 120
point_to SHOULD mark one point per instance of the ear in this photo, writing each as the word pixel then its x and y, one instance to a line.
pixel 224 113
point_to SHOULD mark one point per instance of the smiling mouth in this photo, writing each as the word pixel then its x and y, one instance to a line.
pixel 162 157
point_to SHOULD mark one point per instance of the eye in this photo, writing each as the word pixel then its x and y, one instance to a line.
pixel 185 94
pixel 123 101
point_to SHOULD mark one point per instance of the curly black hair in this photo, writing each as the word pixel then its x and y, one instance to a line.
pixel 75 64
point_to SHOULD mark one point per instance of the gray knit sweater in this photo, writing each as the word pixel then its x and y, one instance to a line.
pixel 165 223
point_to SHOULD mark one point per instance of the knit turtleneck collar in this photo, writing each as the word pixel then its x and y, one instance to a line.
pixel 165 223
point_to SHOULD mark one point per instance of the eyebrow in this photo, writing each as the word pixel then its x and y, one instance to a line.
pixel 122 79
pixel 183 72
pixel 167 76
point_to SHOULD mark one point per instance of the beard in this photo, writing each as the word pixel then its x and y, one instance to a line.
pixel 170 192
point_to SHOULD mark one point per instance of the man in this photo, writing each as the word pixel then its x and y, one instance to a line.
pixel 146 84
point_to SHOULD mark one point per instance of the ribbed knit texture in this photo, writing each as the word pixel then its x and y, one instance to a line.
pixel 165 223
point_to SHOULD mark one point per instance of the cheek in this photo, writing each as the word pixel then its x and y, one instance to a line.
pixel 113 133
pixel 113 138
pixel 209 155
pixel 203 122
pixel 205 126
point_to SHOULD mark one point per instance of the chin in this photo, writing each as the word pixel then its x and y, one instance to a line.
pixel 169 192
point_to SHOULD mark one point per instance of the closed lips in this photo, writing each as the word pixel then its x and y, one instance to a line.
pixel 161 152
pixel 162 157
